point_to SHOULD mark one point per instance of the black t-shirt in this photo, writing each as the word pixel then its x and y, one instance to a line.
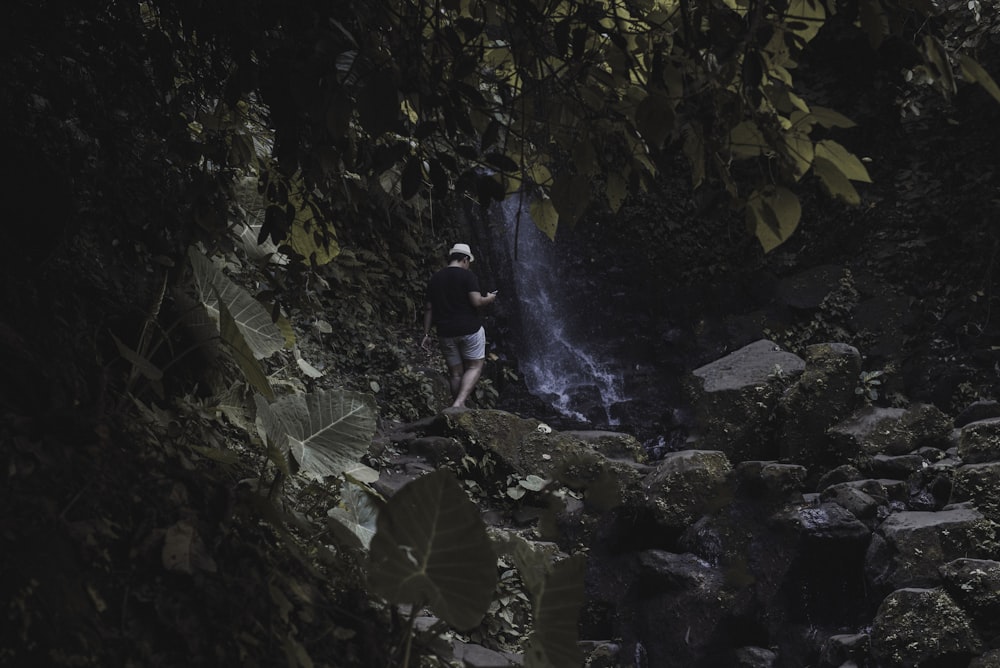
pixel 448 294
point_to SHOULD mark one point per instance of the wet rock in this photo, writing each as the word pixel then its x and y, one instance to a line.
pixel 842 473
pixel 689 484
pixel 755 657
pixel 922 627
pixel 680 592
pixel 890 431
pixel 899 467
pixel 819 398
pixel 472 655
pixel 437 449
pixel 860 504
pixel 975 585
pixel 978 483
pixel 908 547
pixel 844 650
pixel 985 409
pixel 980 442
pixel 828 521
pixel 733 399
pixel 771 480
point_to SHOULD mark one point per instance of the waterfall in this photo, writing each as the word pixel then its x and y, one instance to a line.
pixel 558 363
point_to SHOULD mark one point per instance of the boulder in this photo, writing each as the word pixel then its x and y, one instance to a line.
pixel 683 594
pixel 862 505
pixel 979 442
pixel 908 547
pixel 687 485
pixel 819 398
pixel 984 409
pixel 871 431
pixel 733 399
pixel 978 483
pixel 922 627
pixel 509 445
pixel 975 585
pixel 771 480
pixel 844 649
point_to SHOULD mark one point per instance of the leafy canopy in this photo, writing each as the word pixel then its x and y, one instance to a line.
pixel 336 106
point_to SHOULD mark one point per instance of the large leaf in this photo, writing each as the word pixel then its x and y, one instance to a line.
pixel 326 431
pixel 799 151
pixel 556 590
pixel 834 182
pixel 554 639
pixel 773 215
pixel 616 191
pixel 746 140
pixel 241 351
pixel 544 215
pixel 254 322
pixel 356 517
pixel 431 548
pixel 805 17
pixel 843 160
pixel 570 195
pixel 973 71
pixel 937 55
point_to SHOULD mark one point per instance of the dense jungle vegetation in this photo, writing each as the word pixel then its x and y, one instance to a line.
pixel 215 210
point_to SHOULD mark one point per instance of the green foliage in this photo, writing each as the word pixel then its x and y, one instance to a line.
pixel 868 384
pixel 431 548
pixel 326 431
pixel 556 588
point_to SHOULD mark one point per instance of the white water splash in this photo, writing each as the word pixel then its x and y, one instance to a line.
pixel 556 364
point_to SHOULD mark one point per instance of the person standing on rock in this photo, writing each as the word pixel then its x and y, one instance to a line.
pixel 451 306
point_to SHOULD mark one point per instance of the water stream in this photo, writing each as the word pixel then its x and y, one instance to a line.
pixel 558 362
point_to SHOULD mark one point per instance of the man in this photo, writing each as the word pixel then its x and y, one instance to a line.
pixel 452 300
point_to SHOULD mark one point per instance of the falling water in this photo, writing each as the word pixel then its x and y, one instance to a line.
pixel 556 364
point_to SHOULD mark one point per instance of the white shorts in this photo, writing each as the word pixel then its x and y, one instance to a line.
pixel 459 349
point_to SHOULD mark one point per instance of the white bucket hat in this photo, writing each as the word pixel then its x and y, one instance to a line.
pixel 464 250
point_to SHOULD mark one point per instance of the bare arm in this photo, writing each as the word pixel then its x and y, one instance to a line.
pixel 478 299
pixel 428 316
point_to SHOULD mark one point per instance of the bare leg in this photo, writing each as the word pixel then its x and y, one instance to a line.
pixel 473 369
pixel 455 379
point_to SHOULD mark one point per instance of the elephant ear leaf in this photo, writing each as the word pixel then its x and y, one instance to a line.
pixel 327 432
pixel 431 548
pixel 241 351
pixel 262 336
pixel 553 642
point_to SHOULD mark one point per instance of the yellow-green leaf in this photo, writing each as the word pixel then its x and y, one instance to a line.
pixel 800 152
pixel 834 182
pixel 973 71
pixel 309 236
pixel 616 191
pixel 807 13
pixel 829 118
pixel 842 159
pixel 936 55
pixel 545 216
pixel 540 174
pixel 746 140
pixel 773 215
